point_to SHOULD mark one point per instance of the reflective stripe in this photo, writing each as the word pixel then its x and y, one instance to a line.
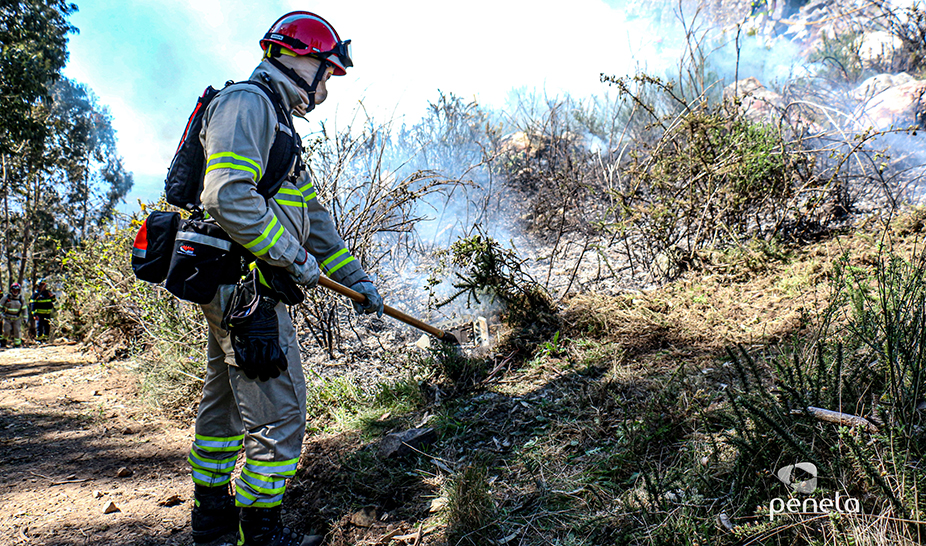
pixel 204 239
pixel 337 261
pixel 219 465
pixel 273 225
pixel 210 479
pixel 308 191
pixel 212 443
pixel 283 468
pixel 238 162
pixel 139 252
pixel 290 198
pixel 244 498
pixel 263 485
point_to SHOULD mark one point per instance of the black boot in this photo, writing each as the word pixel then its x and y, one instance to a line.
pixel 214 514
pixel 264 527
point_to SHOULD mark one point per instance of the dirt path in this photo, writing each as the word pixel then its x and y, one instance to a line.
pixel 75 443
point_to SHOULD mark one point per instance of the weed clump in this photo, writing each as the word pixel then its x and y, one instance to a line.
pixel 483 270
pixel 470 508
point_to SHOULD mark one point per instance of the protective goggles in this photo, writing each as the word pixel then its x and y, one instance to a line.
pixel 342 49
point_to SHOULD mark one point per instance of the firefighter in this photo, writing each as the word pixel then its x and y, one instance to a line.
pixel 12 305
pixel 250 404
pixel 42 309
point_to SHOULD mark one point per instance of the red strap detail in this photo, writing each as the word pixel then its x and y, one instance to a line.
pixel 141 239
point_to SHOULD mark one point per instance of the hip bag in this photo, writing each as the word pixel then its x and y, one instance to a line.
pixel 192 259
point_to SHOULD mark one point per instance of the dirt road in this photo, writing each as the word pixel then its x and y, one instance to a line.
pixel 82 460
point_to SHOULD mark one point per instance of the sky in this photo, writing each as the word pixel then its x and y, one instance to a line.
pixel 149 60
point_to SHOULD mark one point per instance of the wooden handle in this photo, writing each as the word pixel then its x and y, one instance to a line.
pixel 391 311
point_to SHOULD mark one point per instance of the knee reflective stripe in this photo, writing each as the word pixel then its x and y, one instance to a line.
pixel 289 198
pixel 337 261
pixel 216 443
pixel 267 239
pixel 229 160
pixel 211 472
pixel 262 484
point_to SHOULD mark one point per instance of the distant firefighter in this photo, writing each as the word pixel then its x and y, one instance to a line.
pixel 12 305
pixel 42 309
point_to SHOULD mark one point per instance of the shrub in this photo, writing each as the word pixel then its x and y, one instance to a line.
pixel 123 316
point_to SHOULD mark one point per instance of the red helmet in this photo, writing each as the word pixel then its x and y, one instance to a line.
pixel 305 33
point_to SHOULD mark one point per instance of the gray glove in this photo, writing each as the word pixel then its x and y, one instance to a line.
pixel 374 303
pixel 304 270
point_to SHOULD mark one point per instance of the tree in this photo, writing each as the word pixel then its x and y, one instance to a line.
pixel 33 50
pixel 65 187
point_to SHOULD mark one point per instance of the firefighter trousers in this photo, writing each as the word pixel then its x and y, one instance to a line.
pixel 12 330
pixel 265 418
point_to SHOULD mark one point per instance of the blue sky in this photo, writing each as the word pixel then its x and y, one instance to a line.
pixel 148 60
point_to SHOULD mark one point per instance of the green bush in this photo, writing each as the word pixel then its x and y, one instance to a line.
pixel 108 307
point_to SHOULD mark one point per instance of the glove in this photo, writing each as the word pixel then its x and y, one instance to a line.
pixel 374 303
pixel 251 321
pixel 282 286
pixel 304 270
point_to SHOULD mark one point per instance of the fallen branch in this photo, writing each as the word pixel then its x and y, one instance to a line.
pixel 837 418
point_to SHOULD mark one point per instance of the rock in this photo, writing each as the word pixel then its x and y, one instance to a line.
pixel 899 106
pixel 365 517
pixel 98 494
pixel 400 444
pixel 111 508
pixel 876 84
pixel 124 473
pixel 172 500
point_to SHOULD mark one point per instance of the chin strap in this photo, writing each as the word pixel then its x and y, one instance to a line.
pixel 292 75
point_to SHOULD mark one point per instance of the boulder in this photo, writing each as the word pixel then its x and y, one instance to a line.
pixel 899 106
pixel 876 84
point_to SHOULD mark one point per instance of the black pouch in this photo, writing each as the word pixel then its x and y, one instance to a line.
pixel 204 257
pixel 154 245
pixel 251 321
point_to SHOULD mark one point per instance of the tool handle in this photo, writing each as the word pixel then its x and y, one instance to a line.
pixel 391 311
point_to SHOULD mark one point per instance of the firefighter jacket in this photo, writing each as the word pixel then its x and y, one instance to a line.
pixel 12 306
pixel 238 130
pixel 42 302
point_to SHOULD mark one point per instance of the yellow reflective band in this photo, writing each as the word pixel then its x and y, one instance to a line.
pixel 334 256
pixel 263 236
pixel 232 166
pixel 307 188
pixel 288 191
pixel 340 265
pixel 233 155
